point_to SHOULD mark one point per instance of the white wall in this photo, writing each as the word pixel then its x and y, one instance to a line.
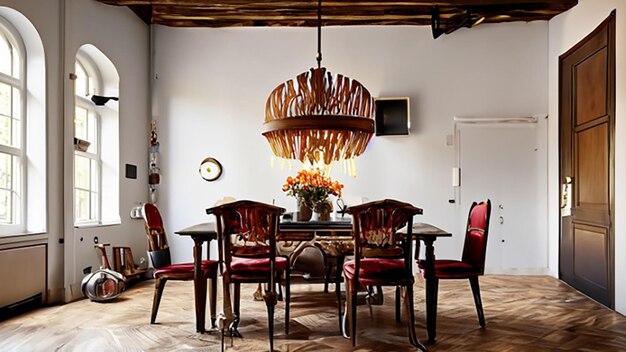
pixel 209 100
pixel 64 26
pixel 565 31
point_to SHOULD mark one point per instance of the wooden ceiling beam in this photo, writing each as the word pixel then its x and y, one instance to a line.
pixel 308 3
pixel 225 13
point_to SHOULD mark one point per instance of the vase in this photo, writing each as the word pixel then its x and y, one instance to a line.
pixel 304 212
pixel 323 215
pixel 322 210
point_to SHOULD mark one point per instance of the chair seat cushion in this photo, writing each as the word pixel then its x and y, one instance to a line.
pixel 255 267
pixel 451 269
pixel 208 268
pixel 378 271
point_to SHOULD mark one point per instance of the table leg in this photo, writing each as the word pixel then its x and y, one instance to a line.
pixel 213 303
pixel 432 285
pixel 199 286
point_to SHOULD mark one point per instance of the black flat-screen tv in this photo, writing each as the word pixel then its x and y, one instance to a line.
pixel 392 116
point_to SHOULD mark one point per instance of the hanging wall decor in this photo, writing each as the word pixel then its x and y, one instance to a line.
pixel 154 177
pixel 210 169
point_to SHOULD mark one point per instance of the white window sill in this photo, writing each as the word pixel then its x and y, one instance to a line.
pixel 23 237
pixel 98 224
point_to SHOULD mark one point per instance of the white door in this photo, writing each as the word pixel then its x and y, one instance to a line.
pixel 501 162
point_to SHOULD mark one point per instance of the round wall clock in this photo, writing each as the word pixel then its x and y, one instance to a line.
pixel 210 169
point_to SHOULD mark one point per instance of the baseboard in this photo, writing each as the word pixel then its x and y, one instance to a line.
pixel 517 271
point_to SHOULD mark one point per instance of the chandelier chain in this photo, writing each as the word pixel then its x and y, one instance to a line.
pixel 319 34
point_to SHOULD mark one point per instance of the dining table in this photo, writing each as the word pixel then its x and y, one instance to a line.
pixel 308 232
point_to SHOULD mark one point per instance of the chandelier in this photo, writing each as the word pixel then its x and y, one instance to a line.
pixel 318 117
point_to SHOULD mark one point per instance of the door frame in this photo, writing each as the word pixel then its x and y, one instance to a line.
pixel 611 111
pixel 539 123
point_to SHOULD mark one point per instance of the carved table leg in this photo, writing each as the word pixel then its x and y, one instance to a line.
pixel 432 284
pixel 199 286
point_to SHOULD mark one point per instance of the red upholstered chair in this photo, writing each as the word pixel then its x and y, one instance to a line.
pixel 159 253
pixel 381 256
pixel 247 246
pixel 472 264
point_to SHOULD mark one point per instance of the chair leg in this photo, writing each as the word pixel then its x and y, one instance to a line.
pixel 270 301
pixel 410 313
pixel 287 298
pixel 398 318
pixel 280 287
pixel 352 313
pixel 329 272
pixel 213 301
pixel 159 285
pixel 237 305
pixel 270 326
pixel 479 304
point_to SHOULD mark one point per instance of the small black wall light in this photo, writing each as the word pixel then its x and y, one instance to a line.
pixel 100 100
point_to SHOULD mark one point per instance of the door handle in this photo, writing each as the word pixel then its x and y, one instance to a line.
pixel 566 197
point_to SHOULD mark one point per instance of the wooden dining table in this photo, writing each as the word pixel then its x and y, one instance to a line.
pixel 306 231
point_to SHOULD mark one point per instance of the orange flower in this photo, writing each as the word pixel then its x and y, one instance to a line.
pixel 312 187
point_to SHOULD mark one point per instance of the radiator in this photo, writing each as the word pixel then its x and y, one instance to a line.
pixel 22 274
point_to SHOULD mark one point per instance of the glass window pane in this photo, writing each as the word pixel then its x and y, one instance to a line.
pixel 80 84
pixel 5 99
pixel 6 175
pixel 17 60
pixel 5 56
pixel 94 176
pixel 81 172
pixel 5 130
pixel 92 131
pixel 91 85
pixel 80 123
pixel 17 104
pixel 81 205
pixel 94 206
pixel 16 128
pixel 17 187
pixel 16 182
pixel 5 206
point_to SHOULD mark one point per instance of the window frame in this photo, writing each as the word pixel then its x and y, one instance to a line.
pixel 94 86
pixel 18 221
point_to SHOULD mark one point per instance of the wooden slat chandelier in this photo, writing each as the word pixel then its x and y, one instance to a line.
pixel 317 117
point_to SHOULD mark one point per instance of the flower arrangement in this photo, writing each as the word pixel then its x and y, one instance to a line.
pixel 312 188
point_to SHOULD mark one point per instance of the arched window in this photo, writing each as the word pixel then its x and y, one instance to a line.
pixel 96 139
pixel 12 130
pixel 87 161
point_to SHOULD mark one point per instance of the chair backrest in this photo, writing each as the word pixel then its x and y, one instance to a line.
pixel 158 249
pixel 375 226
pixel 246 229
pixel 476 233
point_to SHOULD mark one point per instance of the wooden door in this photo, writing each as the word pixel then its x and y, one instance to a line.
pixel 587 120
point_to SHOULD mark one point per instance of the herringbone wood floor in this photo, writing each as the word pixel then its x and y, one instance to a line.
pixel 524 313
